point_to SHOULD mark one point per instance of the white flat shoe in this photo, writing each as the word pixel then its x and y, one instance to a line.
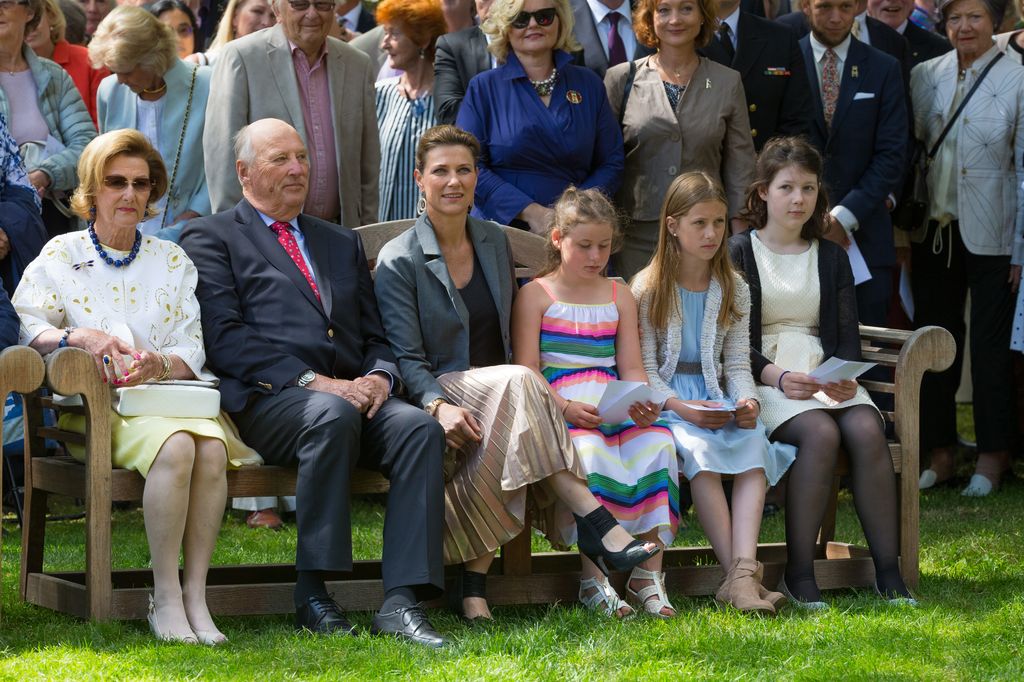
pixel 604 599
pixel 928 479
pixel 979 486
pixel 652 598
pixel 801 604
pixel 208 638
pixel 154 627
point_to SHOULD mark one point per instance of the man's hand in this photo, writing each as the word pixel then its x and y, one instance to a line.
pixel 836 232
pixel 460 427
pixel 342 388
pixel 5 244
pixel 375 386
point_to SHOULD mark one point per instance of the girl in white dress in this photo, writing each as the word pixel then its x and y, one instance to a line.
pixel 803 310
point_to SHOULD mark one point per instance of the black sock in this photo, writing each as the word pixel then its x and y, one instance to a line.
pixel 308 584
pixel 398 597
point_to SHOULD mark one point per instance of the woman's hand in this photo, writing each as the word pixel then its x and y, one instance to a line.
pixel 146 365
pixel 1014 279
pixel 538 218
pixel 460 426
pixel 799 386
pixel 643 414
pixel 582 415
pixel 747 411
pixel 106 350
pixel 702 418
pixel 840 391
pixel 40 180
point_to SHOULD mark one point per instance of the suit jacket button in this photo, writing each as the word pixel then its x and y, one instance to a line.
pixel 753 132
pixel 675 137
pixel 330 333
pixel 753 108
pixel 672 170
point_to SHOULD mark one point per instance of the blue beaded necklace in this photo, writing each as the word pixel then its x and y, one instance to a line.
pixel 120 262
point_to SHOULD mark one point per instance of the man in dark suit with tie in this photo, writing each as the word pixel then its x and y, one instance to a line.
pixel 292 329
pixel 878 34
pixel 605 30
pixel 772 68
pixel 459 56
pixel 895 14
pixel 860 127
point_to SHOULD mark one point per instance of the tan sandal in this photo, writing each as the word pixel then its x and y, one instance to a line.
pixel 653 597
pixel 604 599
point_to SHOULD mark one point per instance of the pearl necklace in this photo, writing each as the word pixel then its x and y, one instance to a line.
pixel 545 86
pixel 120 262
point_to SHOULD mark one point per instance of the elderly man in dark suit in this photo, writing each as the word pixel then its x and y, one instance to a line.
pixel 895 14
pixel 772 68
pixel 292 329
pixel 605 30
pixel 860 127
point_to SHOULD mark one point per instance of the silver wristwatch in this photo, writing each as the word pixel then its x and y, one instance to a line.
pixel 305 378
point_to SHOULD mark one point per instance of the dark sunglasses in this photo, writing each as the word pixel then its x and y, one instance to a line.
pixel 543 17
pixel 119 182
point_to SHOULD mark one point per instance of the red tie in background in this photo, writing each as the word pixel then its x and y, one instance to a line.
pixel 291 247
pixel 616 48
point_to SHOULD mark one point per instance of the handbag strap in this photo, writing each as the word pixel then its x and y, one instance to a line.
pixel 625 91
pixel 963 103
pixel 181 143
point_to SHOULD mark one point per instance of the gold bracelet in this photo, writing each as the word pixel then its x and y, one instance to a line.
pixel 565 407
pixel 166 373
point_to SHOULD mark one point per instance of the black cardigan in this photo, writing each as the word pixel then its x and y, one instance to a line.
pixel 837 327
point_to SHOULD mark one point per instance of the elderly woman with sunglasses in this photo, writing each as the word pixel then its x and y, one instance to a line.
pixel 152 90
pixel 543 123
pixel 129 300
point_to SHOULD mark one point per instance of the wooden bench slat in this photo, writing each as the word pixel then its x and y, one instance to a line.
pixel 877 386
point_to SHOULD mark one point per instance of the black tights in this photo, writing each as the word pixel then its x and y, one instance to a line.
pixel 818 434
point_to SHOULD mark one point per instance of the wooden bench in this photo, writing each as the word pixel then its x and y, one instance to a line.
pixel 21 371
pixel 517 577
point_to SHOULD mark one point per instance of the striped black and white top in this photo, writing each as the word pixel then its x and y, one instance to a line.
pixel 401 122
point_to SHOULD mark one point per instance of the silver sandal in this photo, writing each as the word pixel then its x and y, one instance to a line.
pixel 653 597
pixel 604 599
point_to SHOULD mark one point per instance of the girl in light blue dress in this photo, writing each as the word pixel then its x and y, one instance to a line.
pixel 694 329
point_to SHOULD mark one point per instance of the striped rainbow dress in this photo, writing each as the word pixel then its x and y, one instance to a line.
pixel 632 471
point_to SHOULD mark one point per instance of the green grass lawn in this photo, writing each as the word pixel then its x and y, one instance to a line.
pixel 970 625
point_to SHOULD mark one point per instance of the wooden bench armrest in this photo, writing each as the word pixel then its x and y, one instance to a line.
pixel 21 370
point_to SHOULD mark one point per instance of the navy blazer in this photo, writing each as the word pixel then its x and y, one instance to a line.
pixel 426 321
pixel 774 77
pixel 262 324
pixel 865 150
pixel 10 325
pixel 532 152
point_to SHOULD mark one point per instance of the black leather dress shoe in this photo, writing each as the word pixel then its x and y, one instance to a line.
pixel 321 615
pixel 409 622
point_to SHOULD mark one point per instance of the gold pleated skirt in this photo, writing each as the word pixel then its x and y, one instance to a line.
pixel 490 485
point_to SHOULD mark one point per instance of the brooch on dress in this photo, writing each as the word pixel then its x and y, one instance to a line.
pixel 574 96
pixel 83 264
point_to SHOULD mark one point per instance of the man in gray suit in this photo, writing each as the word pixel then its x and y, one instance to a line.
pixel 319 85
pixel 605 30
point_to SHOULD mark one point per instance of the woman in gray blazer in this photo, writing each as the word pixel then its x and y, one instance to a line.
pixel 683 112
pixel 445 292
pixel 974 238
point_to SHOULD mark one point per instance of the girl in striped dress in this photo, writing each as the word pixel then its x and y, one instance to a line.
pixel 579 330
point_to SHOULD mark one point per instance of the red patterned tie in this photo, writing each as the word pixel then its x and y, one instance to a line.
pixel 829 84
pixel 291 247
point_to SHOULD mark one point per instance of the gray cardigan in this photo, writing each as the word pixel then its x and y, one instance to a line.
pixel 425 320
pixel 65 114
pixel 724 353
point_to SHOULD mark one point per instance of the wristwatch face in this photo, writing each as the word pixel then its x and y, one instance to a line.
pixel 306 377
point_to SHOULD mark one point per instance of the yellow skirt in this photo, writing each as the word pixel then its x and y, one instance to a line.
pixel 136 441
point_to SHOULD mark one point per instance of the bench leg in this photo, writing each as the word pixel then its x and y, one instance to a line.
pixel 827 533
pixel 33 523
pixel 516 558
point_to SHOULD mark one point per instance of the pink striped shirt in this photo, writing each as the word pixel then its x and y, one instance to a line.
pixel 315 98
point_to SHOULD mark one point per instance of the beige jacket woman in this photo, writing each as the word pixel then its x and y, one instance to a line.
pixel 724 351
pixel 709 131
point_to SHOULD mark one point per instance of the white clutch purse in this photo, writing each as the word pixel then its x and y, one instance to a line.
pixel 188 399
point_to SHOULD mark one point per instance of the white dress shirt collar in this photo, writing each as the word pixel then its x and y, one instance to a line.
pixel 600 11
pixel 841 50
pixel 734 25
pixel 351 17
pixel 902 30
